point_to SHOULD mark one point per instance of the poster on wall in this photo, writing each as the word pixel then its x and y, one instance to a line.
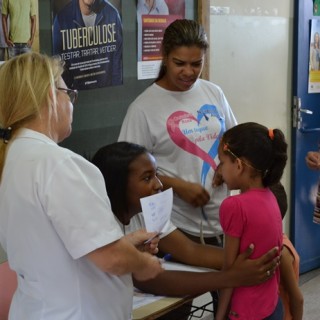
pixel 314 60
pixel 87 34
pixel 153 16
pixel 20 24
pixel 316 7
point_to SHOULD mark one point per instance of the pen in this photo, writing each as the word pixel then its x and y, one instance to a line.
pixel 204 215
pixel 149 240
pixel 167 257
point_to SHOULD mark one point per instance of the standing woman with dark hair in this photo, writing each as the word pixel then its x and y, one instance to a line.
pixel 180 119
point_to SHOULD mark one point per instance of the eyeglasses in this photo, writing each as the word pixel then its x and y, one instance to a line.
pixel 73 94
pixel 226 149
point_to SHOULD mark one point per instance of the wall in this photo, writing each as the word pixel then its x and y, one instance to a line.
pixel 251 59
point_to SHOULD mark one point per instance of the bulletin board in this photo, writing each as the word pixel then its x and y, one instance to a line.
pixel 98 113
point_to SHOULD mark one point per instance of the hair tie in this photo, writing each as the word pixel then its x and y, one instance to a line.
pixel 271 134
pixel 5 134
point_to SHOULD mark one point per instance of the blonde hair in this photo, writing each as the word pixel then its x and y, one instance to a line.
pixel 27 84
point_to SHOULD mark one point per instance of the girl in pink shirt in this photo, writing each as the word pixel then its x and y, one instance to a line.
pixel 252 158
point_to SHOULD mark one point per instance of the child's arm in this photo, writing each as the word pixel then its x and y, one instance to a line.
pixel 231 250
pixel 290 284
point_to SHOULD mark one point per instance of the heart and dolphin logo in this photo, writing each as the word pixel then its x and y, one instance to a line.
pixel 194 134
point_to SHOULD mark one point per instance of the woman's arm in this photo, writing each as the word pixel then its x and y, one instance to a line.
pixel 186 251
pixel 244 272
pixel 121 257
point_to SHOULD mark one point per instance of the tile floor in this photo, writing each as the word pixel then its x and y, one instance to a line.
pixel 310 287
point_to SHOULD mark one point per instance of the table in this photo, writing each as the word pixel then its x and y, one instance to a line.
pixel 159 308
pixel 152 307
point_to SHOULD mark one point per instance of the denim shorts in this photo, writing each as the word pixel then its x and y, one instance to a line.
pixel 277 313
pixel 17 49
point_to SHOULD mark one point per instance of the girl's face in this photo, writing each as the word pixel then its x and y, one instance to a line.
pixel 229 168
pixel 142 181
pixel 183 68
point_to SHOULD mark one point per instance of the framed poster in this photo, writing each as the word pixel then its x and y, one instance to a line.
pixel 88 37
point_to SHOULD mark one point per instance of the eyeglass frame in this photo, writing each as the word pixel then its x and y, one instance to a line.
pixel 72 93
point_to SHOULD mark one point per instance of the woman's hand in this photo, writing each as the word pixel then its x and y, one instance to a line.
pixel 252 272
pixel 313 160
pixel 193 193
pixel 144 241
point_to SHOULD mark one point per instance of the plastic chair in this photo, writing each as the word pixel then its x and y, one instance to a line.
pixel 8 285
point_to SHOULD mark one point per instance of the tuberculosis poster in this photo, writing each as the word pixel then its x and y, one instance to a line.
pixel 87 34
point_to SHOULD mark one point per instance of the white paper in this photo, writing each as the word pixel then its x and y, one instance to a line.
pixel 156 210
pixel 176 266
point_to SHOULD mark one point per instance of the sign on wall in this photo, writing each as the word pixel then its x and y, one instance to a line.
pixel 88 37
pixel 153 17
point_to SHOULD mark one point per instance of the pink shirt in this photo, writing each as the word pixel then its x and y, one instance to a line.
pixel 254 217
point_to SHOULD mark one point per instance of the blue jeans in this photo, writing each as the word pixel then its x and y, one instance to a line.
pixel 17 49
pixel 277 313
pixel 2 53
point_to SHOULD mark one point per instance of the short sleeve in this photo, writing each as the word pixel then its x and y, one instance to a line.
pixel 231 217
pixel 4 8
pixel 135 127
pixel 76 202
pixel 33 8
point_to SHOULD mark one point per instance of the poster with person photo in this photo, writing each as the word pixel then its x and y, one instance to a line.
pixel 87 34
pixel 316 7
pixel 153 16
pixel 314 57
pixel 19 28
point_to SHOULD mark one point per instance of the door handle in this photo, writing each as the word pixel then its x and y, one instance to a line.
pixel 297 117
pixel 305 111
pixel 305 129
pixel 308 130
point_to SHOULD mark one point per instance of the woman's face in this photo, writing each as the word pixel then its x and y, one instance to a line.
pixel 183 68
pixel 142 181
pixel 63 125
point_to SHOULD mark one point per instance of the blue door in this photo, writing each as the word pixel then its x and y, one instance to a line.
pixel 305 137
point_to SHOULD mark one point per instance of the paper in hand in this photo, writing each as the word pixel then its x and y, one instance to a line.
pixel 156 210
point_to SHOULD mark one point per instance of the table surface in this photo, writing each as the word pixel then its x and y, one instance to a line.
pixel 155 309
pixel 159 308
